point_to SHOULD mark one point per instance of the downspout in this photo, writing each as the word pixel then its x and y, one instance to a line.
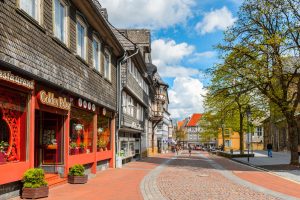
pixel 119 99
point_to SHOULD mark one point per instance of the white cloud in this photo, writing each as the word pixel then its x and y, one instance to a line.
pixel 177 71
pixel 198 57
pixel 219 19
pixel 168 52
pixel 185 94
pixel 186 97
pixel 148 14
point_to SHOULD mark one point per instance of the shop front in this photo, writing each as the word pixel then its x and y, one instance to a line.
pixel 90 137
pixel 15 104
pixel 51 116
pixel 129 146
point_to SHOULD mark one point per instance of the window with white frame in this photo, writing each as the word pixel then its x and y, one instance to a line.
pixel 60 20
pixel 259 131
pixel 81 31
pixel 127 104
pixel 96 53
pixel 107 64
pixel 124 102
pixel 131 106
pixel 138 108
pixel 140 112
pixel 130 66
pixel 32 8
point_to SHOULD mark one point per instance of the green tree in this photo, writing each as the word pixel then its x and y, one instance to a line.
pixel 262 50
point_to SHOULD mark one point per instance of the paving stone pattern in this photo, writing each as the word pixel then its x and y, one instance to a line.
pixel 194 178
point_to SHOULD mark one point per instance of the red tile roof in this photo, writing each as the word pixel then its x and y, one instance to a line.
pixel 180 124
pixel 194 119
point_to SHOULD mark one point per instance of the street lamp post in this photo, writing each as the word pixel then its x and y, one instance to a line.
pixel 248 113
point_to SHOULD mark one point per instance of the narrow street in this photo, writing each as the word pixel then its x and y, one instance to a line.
pixel 201 176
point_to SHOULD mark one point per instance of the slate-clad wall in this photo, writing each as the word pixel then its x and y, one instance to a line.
pixel 32 48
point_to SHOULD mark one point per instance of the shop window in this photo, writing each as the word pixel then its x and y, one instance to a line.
pixel 81 132
pixel 103 133
pixel 12 126
pixel 4 135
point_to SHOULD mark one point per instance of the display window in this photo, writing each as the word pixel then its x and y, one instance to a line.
pixel 103 133
pixel 13 120
pixel 81 132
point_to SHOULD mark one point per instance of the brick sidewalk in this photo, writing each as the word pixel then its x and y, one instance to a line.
pixel 260 178
pixel 193 178
pixel 112 184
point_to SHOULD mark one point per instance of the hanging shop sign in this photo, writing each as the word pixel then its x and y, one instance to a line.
pixel 8 76
pixel 50 100
pixel 86 105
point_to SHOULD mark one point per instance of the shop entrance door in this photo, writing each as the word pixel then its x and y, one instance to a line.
pixel 49 141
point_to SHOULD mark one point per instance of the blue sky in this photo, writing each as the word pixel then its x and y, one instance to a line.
pixel 184 33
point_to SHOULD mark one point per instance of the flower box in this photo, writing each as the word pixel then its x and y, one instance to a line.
pixel 34 193
pixel 77 179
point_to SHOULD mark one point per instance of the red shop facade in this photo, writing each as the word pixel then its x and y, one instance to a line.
pixel 46 127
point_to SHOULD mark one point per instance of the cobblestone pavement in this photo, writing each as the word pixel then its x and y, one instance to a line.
pixel 194 178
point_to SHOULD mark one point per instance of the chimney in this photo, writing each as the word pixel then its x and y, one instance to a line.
pixel 104 13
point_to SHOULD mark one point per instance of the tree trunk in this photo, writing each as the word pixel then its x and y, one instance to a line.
pixel 223 137
pixel 241 133
pixel 293 138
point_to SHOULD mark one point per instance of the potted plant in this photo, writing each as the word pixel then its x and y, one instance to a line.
pixel 73 148
pixel 82 147
pixel 3 146
pixel 3 149
pixel 76 175
pixel 34 184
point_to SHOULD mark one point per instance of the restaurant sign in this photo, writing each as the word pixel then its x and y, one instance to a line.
pixel 50 100
pixel 8 76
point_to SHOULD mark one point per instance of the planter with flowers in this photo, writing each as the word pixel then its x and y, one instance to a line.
pixel 73 148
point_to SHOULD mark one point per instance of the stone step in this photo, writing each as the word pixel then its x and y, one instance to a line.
pixel 54 180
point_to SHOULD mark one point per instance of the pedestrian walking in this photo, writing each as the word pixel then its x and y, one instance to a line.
pixel 190 150
pixel 177 149
pixel 269 148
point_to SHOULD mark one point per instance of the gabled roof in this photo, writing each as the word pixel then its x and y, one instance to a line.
pixel 180 124
pixel 194 119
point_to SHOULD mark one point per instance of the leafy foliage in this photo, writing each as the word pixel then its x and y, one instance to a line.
pixel 34 178
pixel 77 170
pixel 261 54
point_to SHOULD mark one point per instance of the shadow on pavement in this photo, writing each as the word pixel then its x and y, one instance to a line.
pixel 184 160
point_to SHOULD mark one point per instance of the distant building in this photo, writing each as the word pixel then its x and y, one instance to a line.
pixel 193 129
pixel 231 139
